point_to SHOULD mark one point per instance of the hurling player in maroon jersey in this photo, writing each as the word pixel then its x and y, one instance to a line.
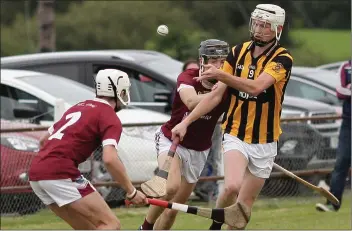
pixel 54 175
pixel 192 151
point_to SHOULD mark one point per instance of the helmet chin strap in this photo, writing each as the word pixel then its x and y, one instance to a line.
pixel 116 109
pixel 261 43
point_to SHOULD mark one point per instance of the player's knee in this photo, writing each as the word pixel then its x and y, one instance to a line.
pixel 232 189
pixel 116 224
pixel 170 213
pixel 113 223
pixel 171 191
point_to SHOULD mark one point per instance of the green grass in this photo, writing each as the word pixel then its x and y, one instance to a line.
pixel 321 46
pixel 289 213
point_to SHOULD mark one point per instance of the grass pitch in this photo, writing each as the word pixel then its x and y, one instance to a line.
pixel 279 213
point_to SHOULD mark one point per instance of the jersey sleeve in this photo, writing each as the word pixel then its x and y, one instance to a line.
pixel 110 128
pixel 230 62
pixel 185 80
pixel 280 67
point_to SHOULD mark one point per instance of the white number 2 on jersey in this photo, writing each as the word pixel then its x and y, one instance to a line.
pixel 74 117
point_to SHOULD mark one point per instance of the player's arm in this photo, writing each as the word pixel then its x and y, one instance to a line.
pixel 207 104
pixel 116 168
pixel 110 129
pixel 189 96
pixel 213 98
pixel 278 69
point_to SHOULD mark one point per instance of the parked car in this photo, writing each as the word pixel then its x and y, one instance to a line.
pixel 17 151
pixel 304 145
pixel 331 66
pixel 31 96
pixel 314 84
pixel 152 74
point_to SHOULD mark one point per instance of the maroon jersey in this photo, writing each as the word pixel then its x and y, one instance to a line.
pixel 82 129
pixel 199 133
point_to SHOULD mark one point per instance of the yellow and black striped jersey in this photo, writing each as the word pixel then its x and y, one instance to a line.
pixel 256 119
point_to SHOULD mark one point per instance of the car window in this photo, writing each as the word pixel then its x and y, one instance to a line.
pixel 307 91
pixel 66 89
pixel 21 98
pixel 69 70
pixel 165 66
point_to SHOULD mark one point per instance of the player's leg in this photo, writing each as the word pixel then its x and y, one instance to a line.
pixel 167 218
pixel 75 220
pixel 172 185
pixel 94 208
pixel 235 165
pixel 261 161
pixel 193 163
pixel 81 200
pixel 163 145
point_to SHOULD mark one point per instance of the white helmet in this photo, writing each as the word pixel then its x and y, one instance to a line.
pixel 113 83
pixel 269 13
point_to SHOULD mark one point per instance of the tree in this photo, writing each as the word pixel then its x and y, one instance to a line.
pixel 46 17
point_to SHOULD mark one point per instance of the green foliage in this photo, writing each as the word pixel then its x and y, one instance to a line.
pixel 92 25
pixel 20 38
pixel 128 25
pixel 318 47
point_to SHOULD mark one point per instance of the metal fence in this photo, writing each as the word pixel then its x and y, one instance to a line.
pixel 307 147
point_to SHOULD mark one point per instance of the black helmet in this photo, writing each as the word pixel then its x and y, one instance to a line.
pixel 213 48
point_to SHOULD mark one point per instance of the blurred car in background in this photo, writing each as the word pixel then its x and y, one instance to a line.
pixel 331 66
pixel 31 96
pixel 314 84
pixel 17 151
pixel 304 145
pixel 152 74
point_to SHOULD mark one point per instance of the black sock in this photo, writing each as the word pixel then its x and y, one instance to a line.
pixel 216 225
pixel 147 226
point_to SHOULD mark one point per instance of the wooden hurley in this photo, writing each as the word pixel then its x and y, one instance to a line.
pixel 156 187
pixel 328 195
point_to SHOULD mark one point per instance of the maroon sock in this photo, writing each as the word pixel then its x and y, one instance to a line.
pixel 147 226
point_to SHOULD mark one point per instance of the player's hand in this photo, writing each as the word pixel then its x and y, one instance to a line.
pixel 211 73
pixel 139 199
pixel 179 130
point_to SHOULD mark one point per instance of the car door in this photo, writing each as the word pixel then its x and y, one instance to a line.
pixel 146 91
pixel 306 89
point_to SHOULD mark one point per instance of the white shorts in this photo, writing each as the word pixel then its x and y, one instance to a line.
pixel 260 156
pixel 63 191
pixel 192 161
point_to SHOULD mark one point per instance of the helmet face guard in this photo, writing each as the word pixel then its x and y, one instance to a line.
pixel 268 15
pixel 212 49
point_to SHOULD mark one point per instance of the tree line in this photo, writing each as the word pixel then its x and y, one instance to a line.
pixel 90 25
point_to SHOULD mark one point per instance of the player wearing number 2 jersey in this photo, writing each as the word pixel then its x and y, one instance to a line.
pixel 54 174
